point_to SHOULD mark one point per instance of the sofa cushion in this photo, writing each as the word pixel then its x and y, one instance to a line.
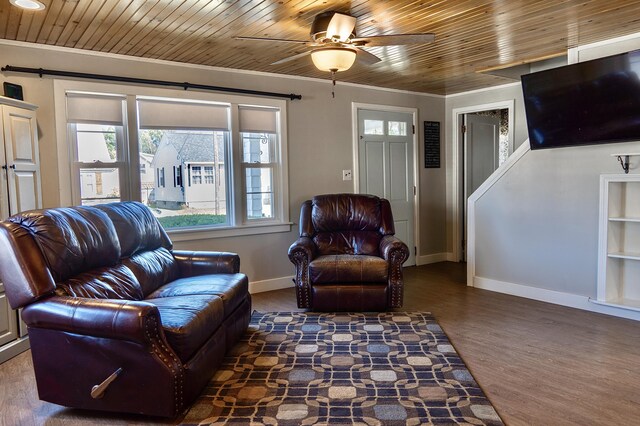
pixel 348 268
pixel 231 288
pixel 117 282
pixel 189 321
pixel 153 268
pixel 138 230
pixel 72 239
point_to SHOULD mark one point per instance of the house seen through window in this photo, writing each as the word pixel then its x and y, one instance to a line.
pixel 185 154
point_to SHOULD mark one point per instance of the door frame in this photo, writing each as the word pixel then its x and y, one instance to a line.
pixel 458 162
pixel 355 175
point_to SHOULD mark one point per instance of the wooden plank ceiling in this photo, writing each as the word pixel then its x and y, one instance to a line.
pixel 470 34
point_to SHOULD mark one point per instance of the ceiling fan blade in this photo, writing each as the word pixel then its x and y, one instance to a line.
pixel 394 39
pixel 366 57
pixel 341 25
pixel 276 40
pixel 292 58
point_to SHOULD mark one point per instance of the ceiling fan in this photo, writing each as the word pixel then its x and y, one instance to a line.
pixel 335 46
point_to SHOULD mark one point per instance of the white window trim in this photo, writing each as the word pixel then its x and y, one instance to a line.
pixel 66 176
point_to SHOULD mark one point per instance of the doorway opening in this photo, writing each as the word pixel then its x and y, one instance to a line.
pixel 483 140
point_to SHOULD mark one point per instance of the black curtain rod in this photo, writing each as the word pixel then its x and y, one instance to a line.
pixel 185 85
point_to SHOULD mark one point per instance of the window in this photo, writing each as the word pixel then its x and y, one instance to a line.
pixel 217 178
pixel 259 165
pixel 98 147
pixel 397 128
pixel 196 175
pixel 373 127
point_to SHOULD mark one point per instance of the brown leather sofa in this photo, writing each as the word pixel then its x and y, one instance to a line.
pixel 347 257
pixel 106 297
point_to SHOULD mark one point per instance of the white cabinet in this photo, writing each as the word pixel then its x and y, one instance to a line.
pixel 19 191
pixel 619 241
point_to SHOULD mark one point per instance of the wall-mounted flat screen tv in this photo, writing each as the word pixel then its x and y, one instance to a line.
pixel 586 103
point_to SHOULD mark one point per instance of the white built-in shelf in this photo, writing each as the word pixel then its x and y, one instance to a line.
pixel 624 219
pixel 621 255
pixel 630 304
pixel 619 240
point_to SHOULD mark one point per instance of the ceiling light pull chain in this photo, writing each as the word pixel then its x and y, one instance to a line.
pixel 333 80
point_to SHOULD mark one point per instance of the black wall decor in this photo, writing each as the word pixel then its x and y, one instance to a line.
pixel 13 91
pixel 431 144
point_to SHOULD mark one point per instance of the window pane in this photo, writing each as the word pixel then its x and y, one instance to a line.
pixel 96 143
pixel 257 147
pixel 183 176
pixel 397 128
pixel 99 185
pixel 373 127
pixel 259 186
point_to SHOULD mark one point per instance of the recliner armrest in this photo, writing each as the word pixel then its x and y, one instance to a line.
pixel 304 246
pixel 135 321
pixel 393 249
pixel 193 263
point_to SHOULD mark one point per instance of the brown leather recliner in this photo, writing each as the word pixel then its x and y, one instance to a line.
pixel 347 257
pixel 105 297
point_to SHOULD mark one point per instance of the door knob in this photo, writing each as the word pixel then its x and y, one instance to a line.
pixel 4 167
pixel 13 166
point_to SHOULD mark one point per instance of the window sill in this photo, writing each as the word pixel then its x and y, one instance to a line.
pixel 192 234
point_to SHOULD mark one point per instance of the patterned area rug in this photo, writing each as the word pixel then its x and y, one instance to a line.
pixel 342 369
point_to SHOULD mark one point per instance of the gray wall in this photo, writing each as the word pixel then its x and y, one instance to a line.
pixel 538 225
pixel 320 141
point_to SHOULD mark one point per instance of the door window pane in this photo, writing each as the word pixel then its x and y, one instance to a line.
pixel 397 128
pixel 99 185
pixel 191 190
pixel 373 127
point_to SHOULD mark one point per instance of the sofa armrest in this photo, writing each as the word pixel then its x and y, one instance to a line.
pixel 109 318
pixel 193 263
pixel 301 253
pixel 396 253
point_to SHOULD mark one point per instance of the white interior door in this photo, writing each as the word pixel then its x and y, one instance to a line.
pixel 481 152
pixel 482 140
pixel 385 163
pixel 22 159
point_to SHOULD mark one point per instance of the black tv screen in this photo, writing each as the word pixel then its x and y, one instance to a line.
pixel 590 102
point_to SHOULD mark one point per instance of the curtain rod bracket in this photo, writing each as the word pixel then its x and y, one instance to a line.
pixel 185 85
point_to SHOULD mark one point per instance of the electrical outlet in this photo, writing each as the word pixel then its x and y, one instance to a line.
pixel 346 175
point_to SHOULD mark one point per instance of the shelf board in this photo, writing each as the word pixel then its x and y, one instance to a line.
pixel 630 304
pixel 624 219
pixel 624 255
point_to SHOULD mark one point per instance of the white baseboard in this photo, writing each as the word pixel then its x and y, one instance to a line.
pixel 552 296
pixel 270 284
pixel 434 258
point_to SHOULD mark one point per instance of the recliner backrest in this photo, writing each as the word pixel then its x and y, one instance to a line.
pixel 346 223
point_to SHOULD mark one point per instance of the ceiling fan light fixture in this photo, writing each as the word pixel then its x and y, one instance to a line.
pixel 28 4
pixel 334 59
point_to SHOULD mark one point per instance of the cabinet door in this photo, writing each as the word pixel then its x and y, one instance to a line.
pixel 4 194
pixel 8 320
pixel 22 159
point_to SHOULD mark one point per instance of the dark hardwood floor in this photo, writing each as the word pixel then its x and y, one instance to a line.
pixel 539 364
